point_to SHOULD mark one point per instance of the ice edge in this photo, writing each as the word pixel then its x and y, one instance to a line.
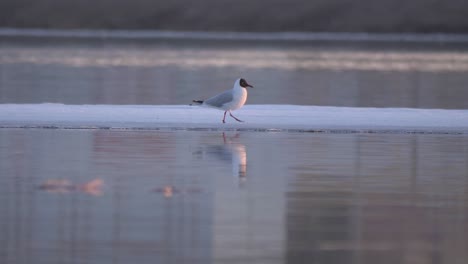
pixel 261 118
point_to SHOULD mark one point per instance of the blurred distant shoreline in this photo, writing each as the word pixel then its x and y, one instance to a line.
pixel 237 36
pixel 382 16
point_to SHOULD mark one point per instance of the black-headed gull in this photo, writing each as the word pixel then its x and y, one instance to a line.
pixel 231 99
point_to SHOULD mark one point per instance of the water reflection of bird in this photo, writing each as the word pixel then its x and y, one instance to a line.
pixel 231 151
pixel 228 100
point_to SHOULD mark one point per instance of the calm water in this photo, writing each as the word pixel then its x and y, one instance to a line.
pixel 115 196
pixel 99 196
pixel 100 71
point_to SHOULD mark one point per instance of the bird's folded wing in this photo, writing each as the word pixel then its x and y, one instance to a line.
pixel 220 99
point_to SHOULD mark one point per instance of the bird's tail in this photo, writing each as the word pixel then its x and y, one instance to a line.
pixel 198 102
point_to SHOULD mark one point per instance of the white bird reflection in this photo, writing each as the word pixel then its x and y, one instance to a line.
pixel 231 151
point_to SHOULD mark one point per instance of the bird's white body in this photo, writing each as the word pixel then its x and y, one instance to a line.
pixel 238 95
pixel 231 99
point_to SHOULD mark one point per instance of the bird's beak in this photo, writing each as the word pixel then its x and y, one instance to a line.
pixel 250 86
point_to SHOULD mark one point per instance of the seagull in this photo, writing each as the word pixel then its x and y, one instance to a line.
pixel 228 100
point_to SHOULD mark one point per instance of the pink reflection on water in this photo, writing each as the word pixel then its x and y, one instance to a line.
pixel 93 187
pixel 169 191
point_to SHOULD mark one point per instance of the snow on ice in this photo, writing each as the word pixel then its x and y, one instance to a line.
pixel 256 117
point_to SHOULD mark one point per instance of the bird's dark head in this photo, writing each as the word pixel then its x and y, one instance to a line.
pixel 243 83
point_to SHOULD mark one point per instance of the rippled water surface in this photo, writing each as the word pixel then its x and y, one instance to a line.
pixel 103 196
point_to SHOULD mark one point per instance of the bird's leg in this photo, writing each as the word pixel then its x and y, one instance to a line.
pixel 234 117
pixel 224 118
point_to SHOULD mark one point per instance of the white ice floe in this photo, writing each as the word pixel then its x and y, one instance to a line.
pixel 256 117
